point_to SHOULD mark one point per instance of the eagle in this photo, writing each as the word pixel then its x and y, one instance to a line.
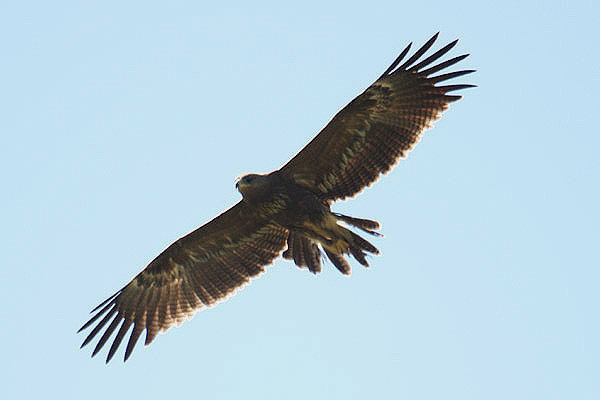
pixel 288 211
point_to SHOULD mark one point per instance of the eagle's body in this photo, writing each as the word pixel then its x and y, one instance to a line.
pixel 288 210
pixel 308 219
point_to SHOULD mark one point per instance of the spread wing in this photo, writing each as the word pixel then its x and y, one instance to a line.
pixel 368 136
pixel 196 271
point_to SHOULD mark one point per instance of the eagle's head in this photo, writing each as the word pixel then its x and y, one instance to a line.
pixel 252 186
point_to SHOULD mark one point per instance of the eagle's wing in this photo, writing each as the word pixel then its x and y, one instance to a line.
pixel 196 271
pixel 377 128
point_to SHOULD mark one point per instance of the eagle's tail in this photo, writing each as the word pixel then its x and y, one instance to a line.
pixel 303 251
pixel 337 242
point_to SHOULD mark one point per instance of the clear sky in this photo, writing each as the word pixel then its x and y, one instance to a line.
pixel 124 124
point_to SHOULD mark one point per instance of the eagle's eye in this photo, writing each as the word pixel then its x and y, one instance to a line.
pixel 249 179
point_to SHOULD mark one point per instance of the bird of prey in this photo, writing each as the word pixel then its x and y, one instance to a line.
pixel 288 209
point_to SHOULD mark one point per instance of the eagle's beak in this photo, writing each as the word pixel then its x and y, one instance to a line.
pixel 237 185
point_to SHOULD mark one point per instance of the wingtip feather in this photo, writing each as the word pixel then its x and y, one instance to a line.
pixel 396 61
pixel 419 52
pixel 105 301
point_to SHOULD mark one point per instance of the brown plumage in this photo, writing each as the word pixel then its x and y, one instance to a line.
pixel 289 207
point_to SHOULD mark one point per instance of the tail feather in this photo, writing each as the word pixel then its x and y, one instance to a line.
pixel 297 251
pixel 359 256
pixel 312 255
pixel 366 225
pixel 361 244
pixel 304 252
pixel 339 261
pixel 351 244
pixel 337 242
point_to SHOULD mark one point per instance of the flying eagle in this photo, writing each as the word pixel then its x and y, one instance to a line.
pixel 288 208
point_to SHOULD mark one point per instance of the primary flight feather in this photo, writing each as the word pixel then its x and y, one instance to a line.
pixel 288 208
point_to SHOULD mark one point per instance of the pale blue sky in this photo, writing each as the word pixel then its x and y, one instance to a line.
pixel 124 125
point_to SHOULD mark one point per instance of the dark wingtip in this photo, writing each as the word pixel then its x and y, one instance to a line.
pixel 105 301
pixel 440 53
pixel 443 65
pixel 87 340
pixel 450 45
pixel 452 98
pixel 127 353
pixel 452 88
pixel 396 61
pixel 133 338
pixel 419 52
